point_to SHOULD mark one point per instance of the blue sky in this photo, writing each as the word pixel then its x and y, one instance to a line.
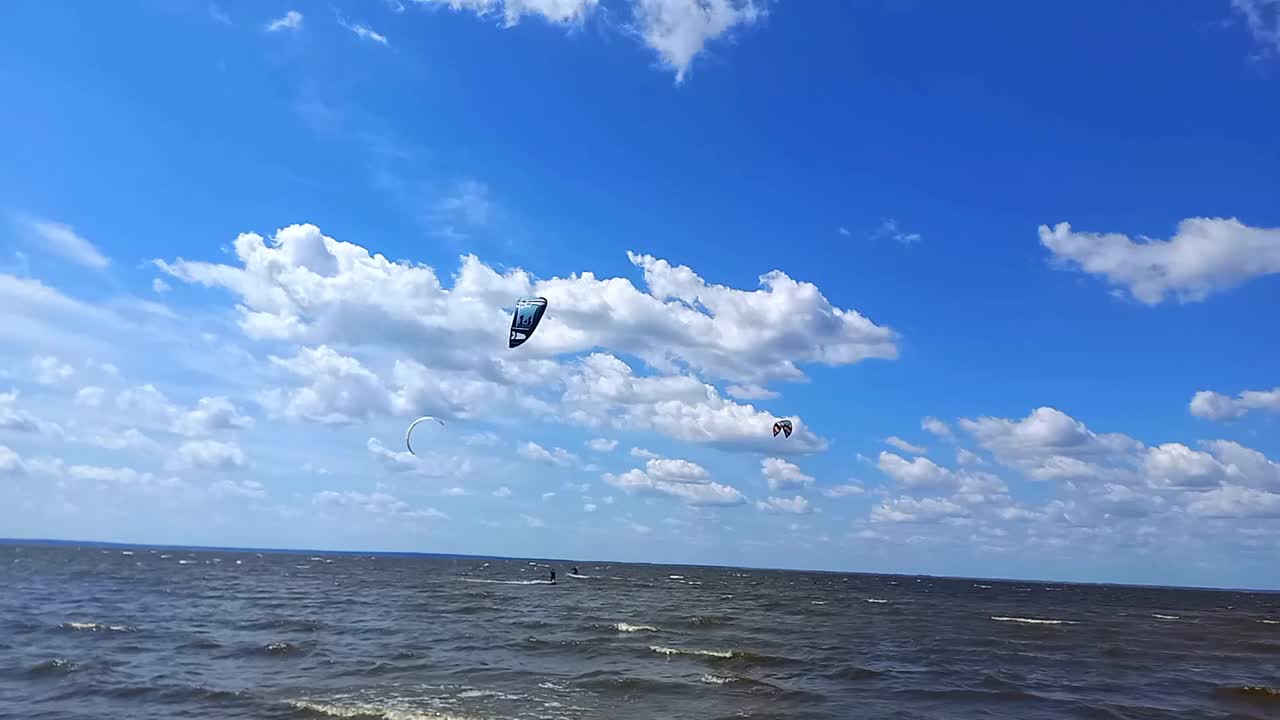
pixel 1007 268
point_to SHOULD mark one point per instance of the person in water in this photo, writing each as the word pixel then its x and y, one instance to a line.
pixel 553 576
pixel 574 571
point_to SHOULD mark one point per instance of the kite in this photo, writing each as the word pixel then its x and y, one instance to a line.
pixel 414 424
pixel 782 426
pixel 529 312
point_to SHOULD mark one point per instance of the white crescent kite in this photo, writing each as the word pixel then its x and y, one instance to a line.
pixel 414 424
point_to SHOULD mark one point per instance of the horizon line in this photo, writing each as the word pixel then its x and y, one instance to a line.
pixel 418 553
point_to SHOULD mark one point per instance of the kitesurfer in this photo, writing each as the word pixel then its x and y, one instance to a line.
pixel 553 576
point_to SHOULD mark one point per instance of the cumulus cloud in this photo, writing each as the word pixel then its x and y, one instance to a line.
pixel 604 390
pixel 309 288
pixel 602 445
pixel 1235 501
pixel 687 482
pixel 208 454
pixel 796 505
pixel 227 488
pixel 48 370
pixel 562 12
pixel 968 457
pixel 502 492
pixel 557 456
pixel 678 30
pixel 1262 18
pixel 291 20
pixel 750 392
pixel 917 473
pixel 375 503
pixel 643 454
pixel 935 426
pixel 13 418
pixel 1205 256
pixel 905 446
pixel 1214 406
pixel 89 396
pixel 1045 433
pixel 364 32
pixel 337 389
pixel 128 439
pixel 916 510
pixel 889 229
pixel 11 462
pixel 63 241
pixel 780 474
pixel 211 414
pixel 839 491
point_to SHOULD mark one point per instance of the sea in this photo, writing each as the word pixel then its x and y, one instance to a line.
pixel 156 633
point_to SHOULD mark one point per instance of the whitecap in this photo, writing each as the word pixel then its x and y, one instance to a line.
pixel 717 679
pixel 507 582
pixel 1270 622
pixel 185 562
pixel 354 710
pixel 875 600
pixel 126 552
pixel 629 628
pixel 1032 621
pixel 662 650
pixel 1158 616
pixel 676 577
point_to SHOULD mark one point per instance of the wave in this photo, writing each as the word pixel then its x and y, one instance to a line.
pixel 1032 621
pixel 675 577
pixel 1158 616
pixel 126 552
pixel 737 656
pixel 717 679
pixel 629 628
pixel 1252 693
pixel 875 600
pixel 817 602
pixel 698 620
pixel 661 650
pixel 185 562
pixel 507 582
pixel 287 624
pixel 1270 622
pixel 580 577
pixel 56 666
pixel 369 711
pixel 984 587
pixel 95 627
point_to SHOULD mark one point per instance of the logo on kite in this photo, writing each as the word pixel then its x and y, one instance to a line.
pixel 529 312
pixel 414 424
pixel 782 426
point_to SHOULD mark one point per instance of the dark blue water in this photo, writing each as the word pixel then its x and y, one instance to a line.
pixel 143 633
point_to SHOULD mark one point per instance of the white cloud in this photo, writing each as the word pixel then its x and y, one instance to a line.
pixel 604 390
pixel 935 426
pixel 211 414
pixel 780 474
pixel 502 492
pixel 1235 501
pixel 602 445
pixel 1246 464
pixel 218 14
pixel 131 438
pixel 589 507
pixel 208 454
pixel 62 240
pixel 905 446
pixel 146 402
pixel 291 20
pixel 678 30
pixel 556 11
pixel 1044 433
pixel 685 481
pixel 376 503
pixel 548 495
pixel 917 473
pixel 677 471
pixel 48 370
pixel 10 462
pixel 968 457
pixel 643 454
pixel 839 491
pixel 843 231
pixel 888 228
pixel 557 456
pixel 159 286
pixel 482 439
pixel 1262 18
pixel 455 492
pixel 12 418
pixel 532 521
pixel 226 488
pixel 1205 256
pixel 1214 406
pixel 796 505
pixel 750 392
pixel 916 510
pixel 1173 465
pixel 337 389
pixel 364 32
